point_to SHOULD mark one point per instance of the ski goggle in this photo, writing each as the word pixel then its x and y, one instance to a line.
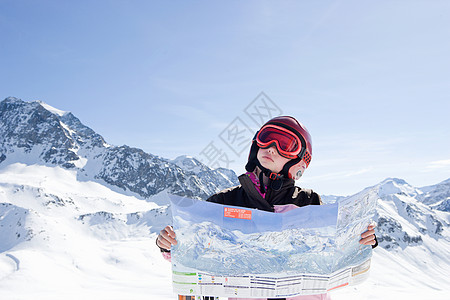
pixel 287 143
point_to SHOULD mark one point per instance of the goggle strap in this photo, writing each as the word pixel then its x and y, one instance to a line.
pixel 262 188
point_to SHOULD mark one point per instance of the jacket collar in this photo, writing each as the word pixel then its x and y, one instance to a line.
pixel 271 197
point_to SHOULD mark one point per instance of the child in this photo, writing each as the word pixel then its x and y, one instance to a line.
pixel 280 153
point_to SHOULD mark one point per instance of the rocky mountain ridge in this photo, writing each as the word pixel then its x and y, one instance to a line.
pixel 34 132
pixel 403 218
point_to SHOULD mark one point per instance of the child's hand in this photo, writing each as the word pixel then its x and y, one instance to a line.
pixel 166 238
pixel 368 237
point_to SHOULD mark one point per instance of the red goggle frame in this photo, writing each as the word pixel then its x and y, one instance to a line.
pixel 288 144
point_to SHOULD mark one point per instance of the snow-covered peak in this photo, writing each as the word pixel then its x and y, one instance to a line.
pixel 396 186
pixel 53 136
pixel 444 185
pixel 403 220
pixel 190 163
pixel 53 110
pixel 394 180
pixel 438 195
pixel 12 100
pixel 329 199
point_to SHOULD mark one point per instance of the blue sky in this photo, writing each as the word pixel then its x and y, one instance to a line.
pixel 370 79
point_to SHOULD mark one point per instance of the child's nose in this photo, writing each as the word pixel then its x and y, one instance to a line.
pixel 272 150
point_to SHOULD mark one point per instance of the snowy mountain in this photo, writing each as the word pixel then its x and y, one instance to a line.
pixel 437 196
pixel 413 260
pixel 404 220
pixel 34 132
pixel 79 217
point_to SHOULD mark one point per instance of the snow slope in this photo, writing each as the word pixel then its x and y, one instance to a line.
pixel 66 239
pixel 73 239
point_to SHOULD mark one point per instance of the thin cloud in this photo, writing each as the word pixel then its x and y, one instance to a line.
pixel 439 164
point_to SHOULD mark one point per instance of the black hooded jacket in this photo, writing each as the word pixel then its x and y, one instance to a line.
pixel 246 195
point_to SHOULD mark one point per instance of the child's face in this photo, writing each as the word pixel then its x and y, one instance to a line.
pixel 270 159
